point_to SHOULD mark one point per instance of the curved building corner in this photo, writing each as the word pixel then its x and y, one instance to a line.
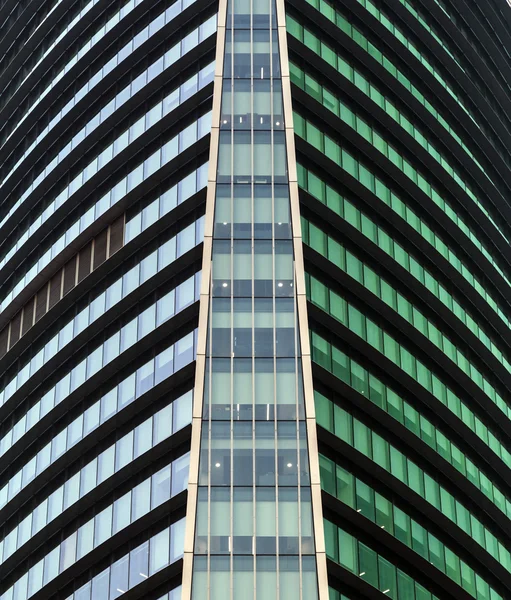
pixel 255 300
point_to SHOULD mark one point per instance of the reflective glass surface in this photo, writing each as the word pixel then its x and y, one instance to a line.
pixel 128 448
pixel 296 29
pixel 67 27
pixel 254 530
pixel 135 567
pixel 99 34
pixel 335 595
pixel 149 320
pixel 133 505
pixel 427 26
pixel 373 506
pixel 359 171
pixel 476 44
pixel 387 293
pixel 445 79
pixel 341 110
pixel 167 201
pixel 366 563
pixel 372 445
pixel 175 594
pixel 186 240
pixel 378 235
pixel 138 40
pixel 157 112
pixel 176 300
pixel 186 138
pixel 147 268
pixel 374 390
pixel 412 367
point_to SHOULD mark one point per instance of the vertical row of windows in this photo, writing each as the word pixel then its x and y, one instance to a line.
pixel 254 513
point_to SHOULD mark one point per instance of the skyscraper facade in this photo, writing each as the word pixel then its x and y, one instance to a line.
pixel 255 300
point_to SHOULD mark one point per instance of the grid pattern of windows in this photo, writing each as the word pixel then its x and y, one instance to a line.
pixel 173 302
pixel 382 289
pixel 109 241
pixel 413 11
pixel 368 132
pixel 128 448
pixel 101 280
pixel 359 496
pixel 127 180
pixel 147 268
pixel 341 206
pixel 110 405
pixel 137 328
pixel 166 364
pixel 487 93
pixel 254 512
pixel 116 18
pixel 372 445
pixel 412 48
pixel 127 8
pixel 391 77
pixel 363 561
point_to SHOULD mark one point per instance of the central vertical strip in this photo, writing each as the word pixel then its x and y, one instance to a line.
pixel 254 526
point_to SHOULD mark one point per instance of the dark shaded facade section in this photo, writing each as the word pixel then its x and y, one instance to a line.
pixel 401 117
pixel 105 118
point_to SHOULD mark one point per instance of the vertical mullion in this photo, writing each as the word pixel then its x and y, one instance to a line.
pixel 302 325
pixel 204 313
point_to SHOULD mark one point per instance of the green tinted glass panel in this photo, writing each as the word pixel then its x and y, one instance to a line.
pixel 384 397
pixel 373 568
pixel 421 483
pixel 322 243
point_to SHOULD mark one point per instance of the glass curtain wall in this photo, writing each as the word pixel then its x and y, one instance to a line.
pixel 254 535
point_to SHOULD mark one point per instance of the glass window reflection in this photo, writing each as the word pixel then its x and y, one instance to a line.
pixel 168 420
pixel 143 561
pixel 253 460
